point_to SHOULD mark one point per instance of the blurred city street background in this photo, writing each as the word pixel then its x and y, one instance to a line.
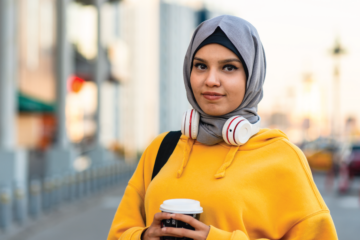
pixel 86 85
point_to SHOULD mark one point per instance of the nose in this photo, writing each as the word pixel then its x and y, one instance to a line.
pixel 212 79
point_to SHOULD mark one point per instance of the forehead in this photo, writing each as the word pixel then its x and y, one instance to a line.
pixel 216 51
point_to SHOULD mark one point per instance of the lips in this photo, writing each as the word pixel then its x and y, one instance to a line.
pixel 212 95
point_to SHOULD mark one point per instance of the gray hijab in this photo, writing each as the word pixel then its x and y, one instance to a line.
pixel 245 38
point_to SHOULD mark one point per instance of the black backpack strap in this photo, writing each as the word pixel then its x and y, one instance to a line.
pixel 167 147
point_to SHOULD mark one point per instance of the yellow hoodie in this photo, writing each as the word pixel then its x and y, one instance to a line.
pixel 261 190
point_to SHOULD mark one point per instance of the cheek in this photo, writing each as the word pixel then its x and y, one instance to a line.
pixel 194 83
pixel 235 88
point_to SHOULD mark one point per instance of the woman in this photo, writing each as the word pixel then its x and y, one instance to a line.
pixel 261 188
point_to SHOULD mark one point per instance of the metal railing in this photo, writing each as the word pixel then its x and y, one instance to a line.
pixel 28 203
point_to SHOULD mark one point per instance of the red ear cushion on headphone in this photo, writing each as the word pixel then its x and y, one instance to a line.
pixel 236 131
pixel 195 124
pixel 190 124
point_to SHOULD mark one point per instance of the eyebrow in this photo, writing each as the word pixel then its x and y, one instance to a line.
pixel 222 61
pixel 230 60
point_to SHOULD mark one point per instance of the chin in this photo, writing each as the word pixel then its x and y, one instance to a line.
pixel 214 112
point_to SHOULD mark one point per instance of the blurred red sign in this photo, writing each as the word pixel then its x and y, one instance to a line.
pixel 75 84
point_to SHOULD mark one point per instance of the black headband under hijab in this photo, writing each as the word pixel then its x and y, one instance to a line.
pixel 220 37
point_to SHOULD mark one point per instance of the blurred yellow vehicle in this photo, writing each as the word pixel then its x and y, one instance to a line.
pixel 321 153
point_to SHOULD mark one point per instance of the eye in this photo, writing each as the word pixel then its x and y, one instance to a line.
pixel 200 66
pixel 229 68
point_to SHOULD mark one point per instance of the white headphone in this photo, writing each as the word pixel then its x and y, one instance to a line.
pixel 237 130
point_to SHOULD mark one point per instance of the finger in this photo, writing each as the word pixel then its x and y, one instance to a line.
pixel 181 232
pixel 157 232
pixel 158 217
pixel 190 220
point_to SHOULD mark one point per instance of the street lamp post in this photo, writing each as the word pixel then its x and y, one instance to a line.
pixel 7 71
pixel 98 70
pixel 63 58
pixel 99 154
pixel 13 164
pixel 337 51
pixel 61 156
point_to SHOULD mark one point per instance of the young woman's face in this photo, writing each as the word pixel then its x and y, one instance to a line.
pixel 217 79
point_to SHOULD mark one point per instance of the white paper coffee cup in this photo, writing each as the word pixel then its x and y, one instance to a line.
pixel 181 205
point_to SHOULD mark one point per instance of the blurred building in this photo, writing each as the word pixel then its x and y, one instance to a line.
pixel 52 92
pixel 148 46
pixel 32 87
pixel 141 93
pixel 177 24
pixel 36 72
pixel 36 36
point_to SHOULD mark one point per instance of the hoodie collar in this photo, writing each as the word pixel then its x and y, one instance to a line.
pixel 263 138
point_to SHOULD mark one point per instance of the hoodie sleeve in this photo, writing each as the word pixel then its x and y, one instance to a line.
pixel 130 219
pixel 316 226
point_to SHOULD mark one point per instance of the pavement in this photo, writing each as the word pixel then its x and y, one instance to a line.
pixel 90 219
pixel 344 208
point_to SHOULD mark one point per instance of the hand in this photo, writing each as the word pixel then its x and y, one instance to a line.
pixel 200 233
pixel 154 232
